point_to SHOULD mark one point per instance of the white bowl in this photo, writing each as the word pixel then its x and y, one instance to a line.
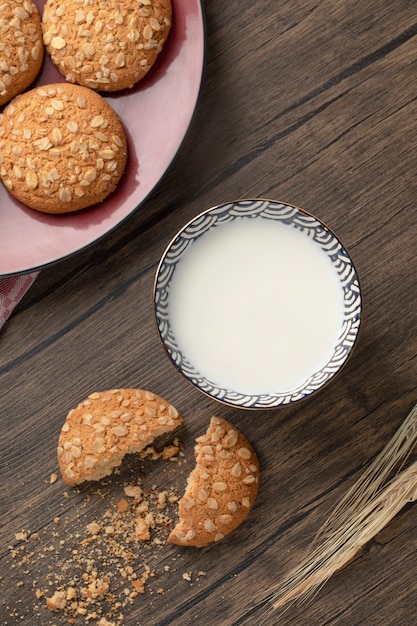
pixel 257 303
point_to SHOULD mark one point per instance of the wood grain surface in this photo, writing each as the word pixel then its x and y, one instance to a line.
pixel 311 103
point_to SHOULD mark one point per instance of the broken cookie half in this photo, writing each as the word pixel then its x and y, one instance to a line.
pixel 106 426
pixel 221 489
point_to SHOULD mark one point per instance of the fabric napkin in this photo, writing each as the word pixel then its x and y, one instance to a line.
pixel 12 291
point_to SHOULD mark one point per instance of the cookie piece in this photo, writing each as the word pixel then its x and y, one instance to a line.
pixel 62 148
pixel 21 47
pixel 220 490
pixel 106 426
pixel 105 46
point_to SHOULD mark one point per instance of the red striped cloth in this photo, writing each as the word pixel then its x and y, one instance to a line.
pixel 12 291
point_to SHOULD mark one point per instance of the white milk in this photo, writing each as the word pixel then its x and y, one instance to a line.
pixel 256 306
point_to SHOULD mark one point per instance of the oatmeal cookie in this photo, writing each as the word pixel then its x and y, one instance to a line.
pixel 106 46
pixel 221 489
pixel 106 426
pixel 62 148
pixel 21 47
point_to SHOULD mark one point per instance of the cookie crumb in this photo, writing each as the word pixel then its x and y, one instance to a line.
pixel 133 491
pixel 122 505
pixel 57 602
pixel 22 536
pixel 104 622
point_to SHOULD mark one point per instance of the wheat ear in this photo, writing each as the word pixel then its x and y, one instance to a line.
pixel 391 458
pixel 365 509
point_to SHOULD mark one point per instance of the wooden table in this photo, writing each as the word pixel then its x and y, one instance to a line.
pixel 308 103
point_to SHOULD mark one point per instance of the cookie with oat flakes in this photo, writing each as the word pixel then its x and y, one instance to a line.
pixel 106 46
pixel 21 47
pixel 221 489
pixel 106 426
pixel 62 148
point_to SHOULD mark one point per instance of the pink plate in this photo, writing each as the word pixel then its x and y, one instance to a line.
pixel 156 115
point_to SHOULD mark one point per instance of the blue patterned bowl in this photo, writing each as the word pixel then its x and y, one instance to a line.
pixel 299 224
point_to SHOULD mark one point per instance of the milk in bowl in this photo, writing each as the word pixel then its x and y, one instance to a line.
pixel 253 302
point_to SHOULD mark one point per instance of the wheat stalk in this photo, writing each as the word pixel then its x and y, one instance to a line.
pixel 365 509
pixel 391 458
